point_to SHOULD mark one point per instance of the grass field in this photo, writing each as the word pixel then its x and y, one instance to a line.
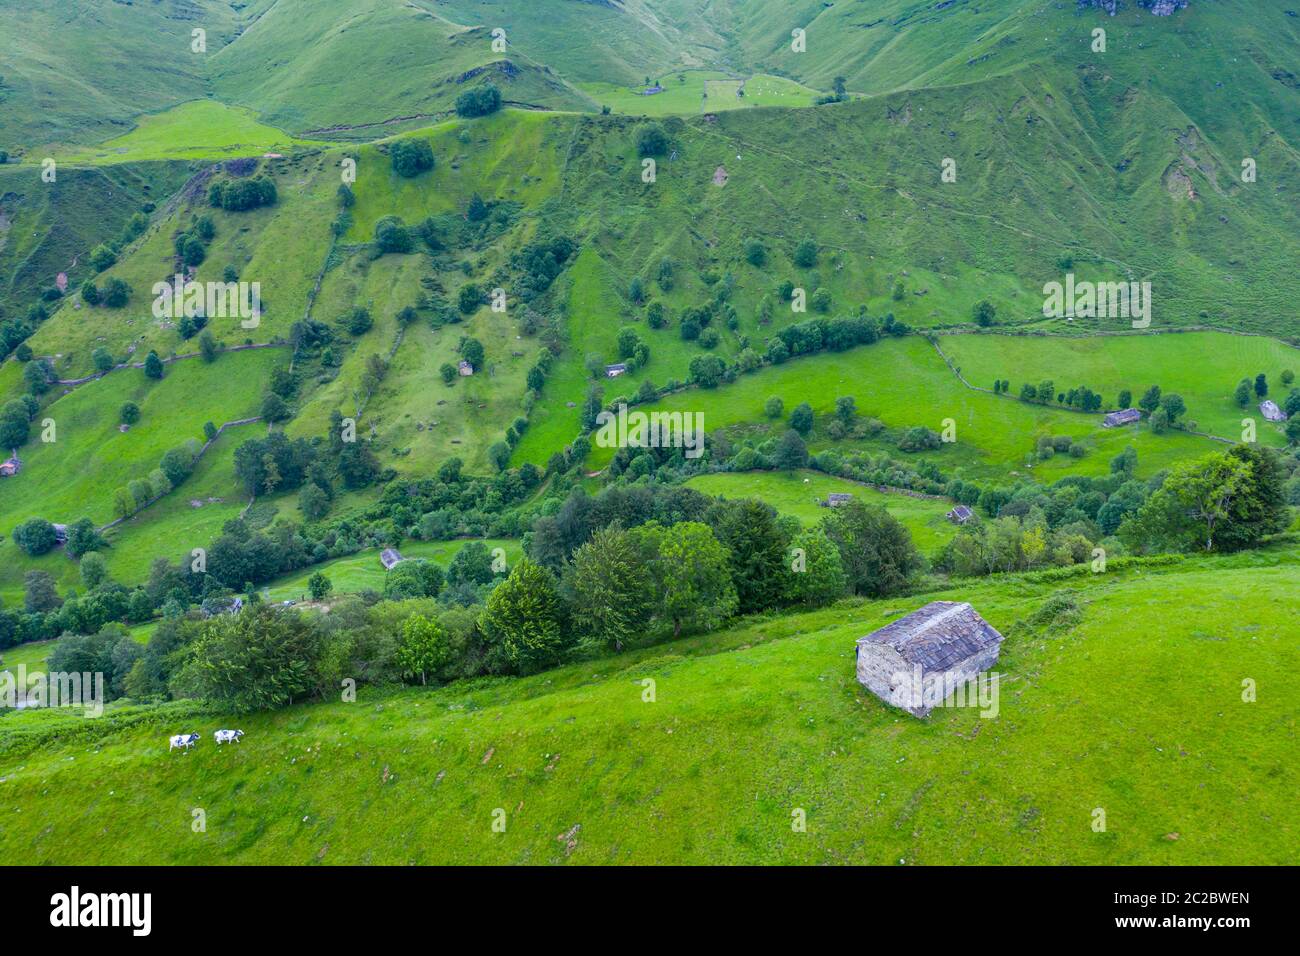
pixel 798 494
pixel 1203 367
pixel 76 475
pixel 903 383
pixel 701 91
pixel 747 726
pixel 198 129
pixel 363 572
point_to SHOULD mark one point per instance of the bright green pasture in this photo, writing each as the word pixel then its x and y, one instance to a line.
pixel 77 474
pixel 747 728
pixel 904 382
pixel 199 129
pixel 799 493
pixel 701 91
pixel 363 572
pixel 1203 367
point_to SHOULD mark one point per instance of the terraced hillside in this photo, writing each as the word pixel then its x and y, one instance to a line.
pixel 1123 165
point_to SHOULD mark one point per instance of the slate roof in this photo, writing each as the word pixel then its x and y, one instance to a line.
pixel 838 496
pixel 960 513
pixel 389 557
pixel 937 636
pixel 1122 417
pixel 1271 411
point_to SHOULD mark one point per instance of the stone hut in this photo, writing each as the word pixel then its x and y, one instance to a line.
pixel 1123 417
pixel 389 557
pixel 836 499
pixel 918 660
pixel 1270 411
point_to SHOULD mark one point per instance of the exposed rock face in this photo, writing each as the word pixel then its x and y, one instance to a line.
pixel 1158 8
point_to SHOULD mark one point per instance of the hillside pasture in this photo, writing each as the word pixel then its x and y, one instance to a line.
pixel 76 475
pixel 799 493
pixel 748 726
pixel 1203 367
pixel 904 383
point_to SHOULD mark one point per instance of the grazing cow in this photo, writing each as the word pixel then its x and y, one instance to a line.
pixel 184 741
pixel 228 736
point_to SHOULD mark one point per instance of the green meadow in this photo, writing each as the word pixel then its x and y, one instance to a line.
pixel 1203 367
pixel 746 728
pixel 904 383
pixel 198 129
pixel 363 572
pixel 800 493
pixel 701 91
pixel 77 473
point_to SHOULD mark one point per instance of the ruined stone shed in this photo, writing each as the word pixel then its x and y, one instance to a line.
pixel 920 658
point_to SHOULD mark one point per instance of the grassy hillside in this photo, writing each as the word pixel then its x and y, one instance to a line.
pixel 905 383
pixel 746 727
pixel 1122 167
pixel 48 228
pixel 76 475
pixel 199 129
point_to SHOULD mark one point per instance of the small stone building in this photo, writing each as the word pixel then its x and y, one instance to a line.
pixel 915 662
pixel 836 499
pixel 1269 410
pixel 960 515
pixel 1124 416
pixel 389 558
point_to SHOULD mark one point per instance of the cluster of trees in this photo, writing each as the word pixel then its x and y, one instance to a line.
pixel 839 93
pixel 410 157
pixel 16 421
pixel 539 263
pixel 239 195
pixel 114 294
pixel 1223 502
pixel 177 464
pixel 191 245
pixel 593 585
pixel 46 614
pixel 482 101
pixel 836 335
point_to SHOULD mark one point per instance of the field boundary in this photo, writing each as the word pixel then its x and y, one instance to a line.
pixel 206 445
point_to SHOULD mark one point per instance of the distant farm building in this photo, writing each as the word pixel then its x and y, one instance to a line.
pixel 10 466
pixel 1123 417
pixel 1268 408
pixel 614 371
pixel 652 90
pixel 60 533
pixel 465 368
pixel 389 557
pixel 835 500
pixel 915 662
pixel 960 515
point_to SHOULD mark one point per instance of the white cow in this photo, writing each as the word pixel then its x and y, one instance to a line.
pixel 184 741
pixel 228 736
